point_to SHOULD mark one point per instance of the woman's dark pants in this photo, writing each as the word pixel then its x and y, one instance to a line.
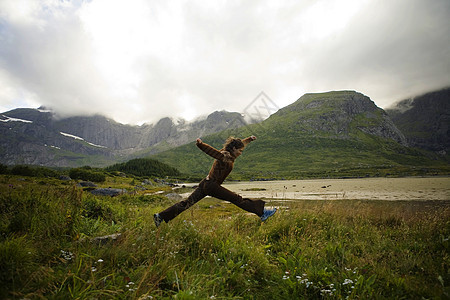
pixel 211 188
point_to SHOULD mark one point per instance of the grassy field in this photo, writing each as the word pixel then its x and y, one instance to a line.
pixel 315 250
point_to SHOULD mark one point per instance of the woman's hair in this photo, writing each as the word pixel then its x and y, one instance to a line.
pixel 233 142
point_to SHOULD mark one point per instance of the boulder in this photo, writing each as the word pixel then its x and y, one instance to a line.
pixel 65 178
pixel 86 184
pixel 108 192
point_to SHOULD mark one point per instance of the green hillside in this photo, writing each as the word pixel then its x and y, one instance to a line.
pixel 331 134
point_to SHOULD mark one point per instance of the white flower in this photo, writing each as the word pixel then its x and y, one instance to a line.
pixel 93 269
pixel 100 260
pixel 347 281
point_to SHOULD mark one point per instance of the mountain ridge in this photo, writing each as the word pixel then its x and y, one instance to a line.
pixel 35 136
pixel 324 134
pixel 330 123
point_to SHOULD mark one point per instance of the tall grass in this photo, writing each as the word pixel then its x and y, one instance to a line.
pixel 315 249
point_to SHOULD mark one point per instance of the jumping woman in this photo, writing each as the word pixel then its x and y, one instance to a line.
pixel 211 185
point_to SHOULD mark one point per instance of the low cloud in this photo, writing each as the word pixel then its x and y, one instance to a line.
pixel 140 61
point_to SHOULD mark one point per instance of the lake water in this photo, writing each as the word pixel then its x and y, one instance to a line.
pixel 413 188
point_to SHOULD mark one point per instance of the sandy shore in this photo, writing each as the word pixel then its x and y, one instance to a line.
pixel 414 188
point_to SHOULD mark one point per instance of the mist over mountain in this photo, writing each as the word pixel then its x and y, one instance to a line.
pixel 425 120
pixel 343 129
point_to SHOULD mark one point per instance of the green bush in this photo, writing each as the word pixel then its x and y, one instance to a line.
pixel 144 167
pixel 86 174
pixel 29 171
pixel 94 209
pixel 3 169
pixel 23 171
pixel 16 258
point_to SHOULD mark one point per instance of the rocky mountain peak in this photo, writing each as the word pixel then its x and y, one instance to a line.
pixel 341 114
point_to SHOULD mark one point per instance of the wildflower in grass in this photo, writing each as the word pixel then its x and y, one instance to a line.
pixel 67 255
pixel 347 281
pixel 93 269
pixel 328 291
pixel 325 292
pixel 100 260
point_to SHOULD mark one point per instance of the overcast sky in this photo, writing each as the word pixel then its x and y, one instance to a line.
pixel 138 61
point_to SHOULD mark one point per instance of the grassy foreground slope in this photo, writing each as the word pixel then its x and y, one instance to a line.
pixel 49 247
pixel 320 135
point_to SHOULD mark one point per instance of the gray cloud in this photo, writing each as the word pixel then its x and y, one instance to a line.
pixel 192 57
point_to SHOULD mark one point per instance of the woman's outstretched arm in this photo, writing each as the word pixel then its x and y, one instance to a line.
pixel 211 151
pixel 247 141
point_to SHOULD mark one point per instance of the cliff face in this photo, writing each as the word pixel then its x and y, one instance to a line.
pixel 425 120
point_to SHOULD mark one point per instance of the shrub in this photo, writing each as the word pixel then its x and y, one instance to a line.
pixel 94 209
pixel 3 169
pixel 16 258
pixel 85 174
pixel 145 167
pixel 46 172
pixel 23 171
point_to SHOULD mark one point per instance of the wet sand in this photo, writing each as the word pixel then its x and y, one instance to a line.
pixel 411 188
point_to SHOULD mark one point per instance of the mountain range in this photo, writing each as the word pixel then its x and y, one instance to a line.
pixel 37 137
pixel 331 134
pixel 336 130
